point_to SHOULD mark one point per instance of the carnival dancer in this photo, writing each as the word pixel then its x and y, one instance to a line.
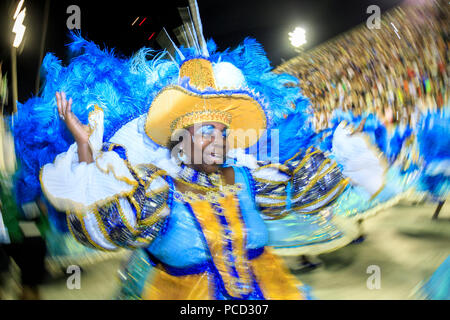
pixel 198 223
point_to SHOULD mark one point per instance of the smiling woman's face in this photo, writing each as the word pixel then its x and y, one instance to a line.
pixel 207 146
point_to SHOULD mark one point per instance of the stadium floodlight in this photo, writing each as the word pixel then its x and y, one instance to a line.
pixel 19 28
pixel 297 37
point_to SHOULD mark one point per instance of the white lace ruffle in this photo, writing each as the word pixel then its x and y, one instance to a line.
pixel 69 184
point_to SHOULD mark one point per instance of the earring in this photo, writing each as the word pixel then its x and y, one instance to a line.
pixel 181 158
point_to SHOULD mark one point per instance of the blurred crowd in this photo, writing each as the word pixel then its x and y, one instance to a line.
pixel 396 72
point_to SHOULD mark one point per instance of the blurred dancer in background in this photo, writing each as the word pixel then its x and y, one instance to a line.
pixel 20 230
pixel 20 237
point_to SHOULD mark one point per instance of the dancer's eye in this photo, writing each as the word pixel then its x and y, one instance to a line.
pixel 207 130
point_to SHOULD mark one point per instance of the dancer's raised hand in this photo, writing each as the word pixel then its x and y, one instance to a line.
pixel 80 132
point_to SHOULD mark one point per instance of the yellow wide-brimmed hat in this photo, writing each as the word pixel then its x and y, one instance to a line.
pixel 177 107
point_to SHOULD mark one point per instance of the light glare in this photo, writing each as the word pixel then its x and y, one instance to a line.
pixel 19 28
pixel 297 37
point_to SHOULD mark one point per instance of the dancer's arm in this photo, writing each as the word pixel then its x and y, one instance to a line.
pixel 109 203
pixel 79 131
pixel 308 182
pixel 270 186
pixel 311 180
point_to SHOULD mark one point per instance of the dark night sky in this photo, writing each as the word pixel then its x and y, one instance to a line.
pixel 227 22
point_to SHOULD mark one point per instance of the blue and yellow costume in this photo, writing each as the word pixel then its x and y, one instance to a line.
pixel 197 247
pixel 210 245
pixel 190 246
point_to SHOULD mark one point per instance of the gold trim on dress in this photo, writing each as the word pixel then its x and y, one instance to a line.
pixel 73 206
pixel 294 156
pixel 343 183
pixel 304 160
pixel 316 178
pixel 274 182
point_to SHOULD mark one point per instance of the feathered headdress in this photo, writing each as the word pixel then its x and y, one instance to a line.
pixel 125 88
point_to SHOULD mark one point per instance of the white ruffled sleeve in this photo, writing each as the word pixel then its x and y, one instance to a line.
pixel 73 185
pixel 362 162
pixel 110 203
